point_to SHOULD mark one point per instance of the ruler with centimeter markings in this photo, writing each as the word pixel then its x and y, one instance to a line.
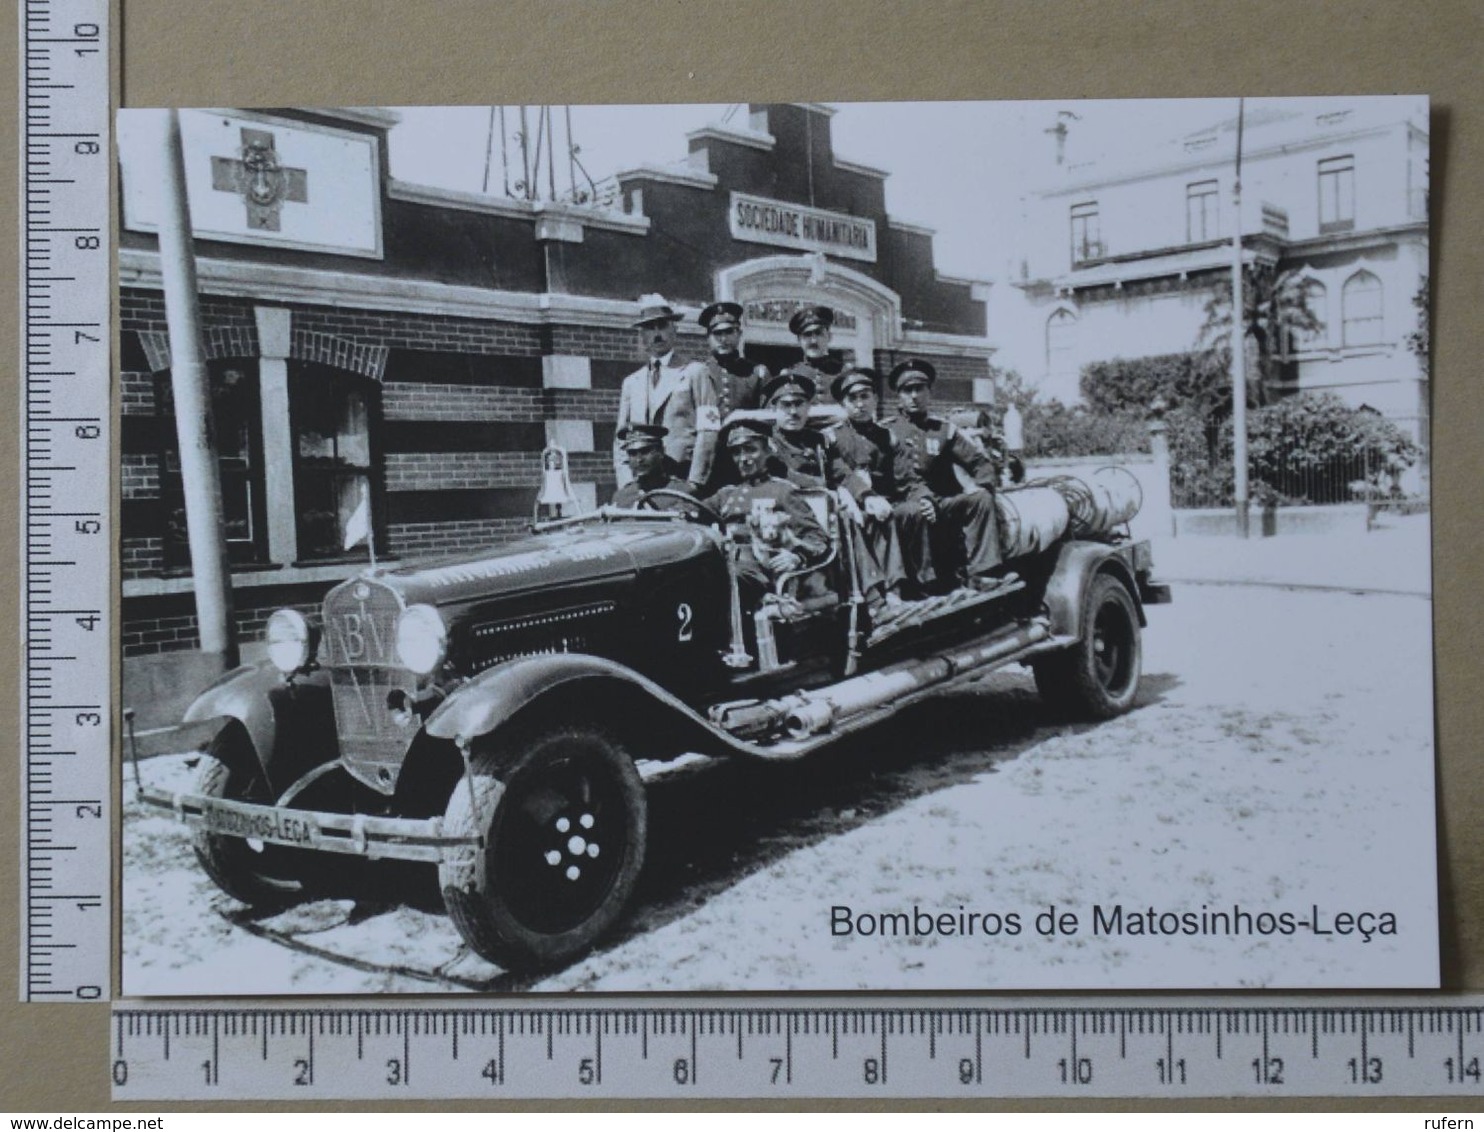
pixel 802 1047
pixel 66 540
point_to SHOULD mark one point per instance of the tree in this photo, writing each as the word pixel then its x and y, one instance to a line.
pixel 1420 340
pixel 1275 305
pixel 1131 386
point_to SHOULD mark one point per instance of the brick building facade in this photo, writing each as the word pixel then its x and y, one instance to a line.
pixel 421 356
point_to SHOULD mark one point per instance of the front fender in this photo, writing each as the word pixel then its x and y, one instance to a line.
pixel 1076 564
pixel 499 694
pixel 257 697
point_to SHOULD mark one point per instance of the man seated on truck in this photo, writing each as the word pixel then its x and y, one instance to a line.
pixel 772 530
pixel 644 450
pixel 949 535
pixel 816 457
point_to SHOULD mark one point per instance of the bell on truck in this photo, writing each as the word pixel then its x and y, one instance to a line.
pixel 555 499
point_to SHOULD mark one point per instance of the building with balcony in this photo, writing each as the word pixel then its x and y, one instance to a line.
pixel 1121 254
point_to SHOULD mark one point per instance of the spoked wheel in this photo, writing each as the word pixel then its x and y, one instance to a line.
pixel 1099 676
pixel 258 874
pixel 563 822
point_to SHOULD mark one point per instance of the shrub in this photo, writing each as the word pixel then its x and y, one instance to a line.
pixel 1312 448
pixel 1053 429
pixel 1130 385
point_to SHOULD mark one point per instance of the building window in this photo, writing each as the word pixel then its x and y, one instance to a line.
pixel 1087 235
pixel 1316 298
pixel 1337 194
pixel 1360 310
pixel 1200 212
pixel 330 414
pixel 1061 344
pixel 236 421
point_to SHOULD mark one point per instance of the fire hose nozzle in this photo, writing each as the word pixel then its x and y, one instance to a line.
pixel 809 719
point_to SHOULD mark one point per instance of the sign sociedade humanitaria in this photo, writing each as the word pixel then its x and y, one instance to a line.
pixel 759 220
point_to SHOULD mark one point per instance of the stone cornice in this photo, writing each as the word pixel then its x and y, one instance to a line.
pixel 753 139
pixel 514 209
pixel 280 283
pixel 366 115
pixel 908 226
pixel 690 178
pixel 863 170
pixel 954 345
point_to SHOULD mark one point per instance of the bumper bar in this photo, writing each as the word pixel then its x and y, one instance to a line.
pixel 359 835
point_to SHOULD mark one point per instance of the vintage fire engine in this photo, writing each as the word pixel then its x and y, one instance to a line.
pixel 486 713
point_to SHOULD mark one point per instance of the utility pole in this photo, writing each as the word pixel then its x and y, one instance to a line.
pixel 1239 349
pixel 200 473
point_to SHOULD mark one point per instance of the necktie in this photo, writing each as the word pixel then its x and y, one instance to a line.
pixel 654 372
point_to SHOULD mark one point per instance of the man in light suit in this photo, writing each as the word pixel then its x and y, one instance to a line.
pixel 680 398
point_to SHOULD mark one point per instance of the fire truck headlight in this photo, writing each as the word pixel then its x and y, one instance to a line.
pixel 422 639
pixel 290 641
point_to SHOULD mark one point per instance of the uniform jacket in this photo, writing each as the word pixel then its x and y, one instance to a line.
pixel 734 503
pixel 823 370
pixel 932 447
pixel 684 401
pixel 633 491
pixel 873 449
pixel 737 381
pixel 814 460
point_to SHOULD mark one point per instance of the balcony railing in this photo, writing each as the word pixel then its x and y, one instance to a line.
pixel 1087 250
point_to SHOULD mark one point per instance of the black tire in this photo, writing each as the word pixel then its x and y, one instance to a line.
pixel 1098 677
pixel 257 874
pixel 563 818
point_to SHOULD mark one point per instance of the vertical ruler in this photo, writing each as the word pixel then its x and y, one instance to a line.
pixel 66 533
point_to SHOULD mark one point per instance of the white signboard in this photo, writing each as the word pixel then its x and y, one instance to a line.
pixel 259 180
pixel 759 220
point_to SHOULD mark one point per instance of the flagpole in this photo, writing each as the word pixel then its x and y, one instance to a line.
pixel 200 471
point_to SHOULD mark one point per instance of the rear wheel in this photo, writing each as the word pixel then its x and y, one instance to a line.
pixel 1098 677
pixel 256 873
pixel 562 817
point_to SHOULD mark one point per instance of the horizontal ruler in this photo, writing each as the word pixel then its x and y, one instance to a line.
pixel 66 544
pixel 801 1047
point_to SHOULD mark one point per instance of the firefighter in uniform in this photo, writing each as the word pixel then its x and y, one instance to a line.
pixel 814 459
pixel 948 535
pixel 813 327
pixel 868 447
pixel 771 528
pixel 644 448
pixel 738 382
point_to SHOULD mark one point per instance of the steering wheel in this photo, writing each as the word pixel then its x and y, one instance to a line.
pixel 697 510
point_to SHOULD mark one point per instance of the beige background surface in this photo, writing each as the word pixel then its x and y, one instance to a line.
pixel 371 52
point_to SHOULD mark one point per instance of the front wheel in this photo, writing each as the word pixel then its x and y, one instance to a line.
pixel 1098 677
pixel 562 818
pixel 258 874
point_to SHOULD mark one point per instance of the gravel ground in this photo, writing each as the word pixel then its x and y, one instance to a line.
pixel 1281 758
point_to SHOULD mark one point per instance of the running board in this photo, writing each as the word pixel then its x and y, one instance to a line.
pixel 932 608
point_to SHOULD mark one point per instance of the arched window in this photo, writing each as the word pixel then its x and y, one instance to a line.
pixel 1360 307
pixel 1316 298
pixel 1061 343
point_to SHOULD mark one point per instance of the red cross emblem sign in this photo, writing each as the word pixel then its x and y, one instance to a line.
pixel 260 180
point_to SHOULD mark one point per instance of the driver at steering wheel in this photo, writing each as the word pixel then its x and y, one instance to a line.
pixel 771 528
pixel 643 448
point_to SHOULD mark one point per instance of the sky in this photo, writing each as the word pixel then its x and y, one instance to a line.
pixel 958 167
